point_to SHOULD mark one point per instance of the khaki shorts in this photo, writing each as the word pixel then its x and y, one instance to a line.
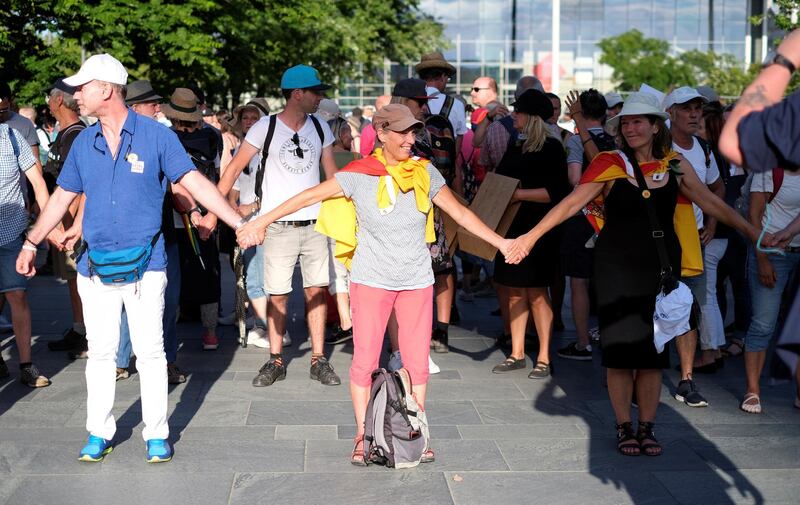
pixel 64 267
pixel 284 245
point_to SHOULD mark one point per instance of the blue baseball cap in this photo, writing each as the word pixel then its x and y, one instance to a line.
pixel 303 77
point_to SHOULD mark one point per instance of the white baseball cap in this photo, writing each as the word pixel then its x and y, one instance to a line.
pixel 100 67
pixel 638 104
pixel 613 99
pixel 682 95
pixel 671 317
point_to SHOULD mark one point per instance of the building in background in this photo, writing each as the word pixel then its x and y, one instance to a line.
pixel 506 39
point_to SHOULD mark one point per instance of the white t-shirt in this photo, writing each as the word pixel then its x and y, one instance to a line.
pixel 245 184
pixel 457 117
pixel 697 158
pixel 786 204
pixel 287 174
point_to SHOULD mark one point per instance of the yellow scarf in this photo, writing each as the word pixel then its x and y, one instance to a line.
pixel 337 216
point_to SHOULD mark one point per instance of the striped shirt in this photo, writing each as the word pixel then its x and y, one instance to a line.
pixel 13 215
pixel 391 253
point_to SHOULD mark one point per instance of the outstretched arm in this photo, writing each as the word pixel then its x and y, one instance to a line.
pixel 254 231
pixel 566 208
pixel 445 200
pixel 693 189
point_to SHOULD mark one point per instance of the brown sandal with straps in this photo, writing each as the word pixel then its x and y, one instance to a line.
pixel 357 457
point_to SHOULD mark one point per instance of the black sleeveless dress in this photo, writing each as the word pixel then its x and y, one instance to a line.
pixel 627 274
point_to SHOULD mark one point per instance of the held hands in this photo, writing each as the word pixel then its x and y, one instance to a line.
pixel 56 238
pixel 250 234
pixel 780 240
pixel 25 263
pixel 519 249
pixel 71 237
pixel 206 226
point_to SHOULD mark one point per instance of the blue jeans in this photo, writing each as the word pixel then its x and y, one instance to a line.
pixel 254 272
pixel 766 302
pixel 172 296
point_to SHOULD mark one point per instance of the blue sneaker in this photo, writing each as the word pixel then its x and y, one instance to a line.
pixel 158 451
pixel 95 449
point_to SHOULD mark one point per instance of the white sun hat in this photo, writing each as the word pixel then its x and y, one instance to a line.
pixel 682 95
pixel 637 104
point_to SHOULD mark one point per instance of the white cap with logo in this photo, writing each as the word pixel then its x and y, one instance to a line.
pixel 682 95
pixel 100 67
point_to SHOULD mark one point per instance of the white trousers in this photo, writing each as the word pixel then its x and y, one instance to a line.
pixel 102 310
pixel 713 334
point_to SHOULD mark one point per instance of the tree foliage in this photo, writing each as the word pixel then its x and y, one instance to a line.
pixel 636 59
pixel 229 47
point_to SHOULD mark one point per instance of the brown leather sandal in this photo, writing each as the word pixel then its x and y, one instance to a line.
pixel 357 457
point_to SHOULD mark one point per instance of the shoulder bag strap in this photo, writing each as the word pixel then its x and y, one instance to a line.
pixel 447 106
pixel 264 155
pixel 657 231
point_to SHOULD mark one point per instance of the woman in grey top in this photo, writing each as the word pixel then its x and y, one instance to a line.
pixel 391 266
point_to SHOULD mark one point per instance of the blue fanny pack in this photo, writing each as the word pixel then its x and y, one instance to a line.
pixel 122 266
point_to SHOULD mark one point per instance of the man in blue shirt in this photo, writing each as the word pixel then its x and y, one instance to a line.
pixel 122 164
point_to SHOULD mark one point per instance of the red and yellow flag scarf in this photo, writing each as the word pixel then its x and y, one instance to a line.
pixel 611 165
pixel 337 216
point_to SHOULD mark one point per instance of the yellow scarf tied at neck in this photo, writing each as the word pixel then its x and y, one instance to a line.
pixel 337 216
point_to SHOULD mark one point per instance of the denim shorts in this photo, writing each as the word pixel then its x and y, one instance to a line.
pixel 10 280
pixel 254 272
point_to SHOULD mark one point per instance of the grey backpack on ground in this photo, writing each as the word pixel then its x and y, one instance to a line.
pixel 396 433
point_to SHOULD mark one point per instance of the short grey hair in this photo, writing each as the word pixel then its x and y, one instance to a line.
pixel 67 99
pixel 525 83
pixel 120 89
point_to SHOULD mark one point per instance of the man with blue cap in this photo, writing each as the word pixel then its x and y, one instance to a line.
pixel 293 145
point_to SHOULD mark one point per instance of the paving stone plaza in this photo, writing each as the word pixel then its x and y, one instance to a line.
pixel 499 439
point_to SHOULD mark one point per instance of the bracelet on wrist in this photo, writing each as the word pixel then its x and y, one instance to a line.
pixel 194 209
pixel 587 140
pixel 29 247
pixel 31 242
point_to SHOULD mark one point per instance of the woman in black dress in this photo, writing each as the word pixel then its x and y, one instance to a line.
pixel 539 162
pixel 626 262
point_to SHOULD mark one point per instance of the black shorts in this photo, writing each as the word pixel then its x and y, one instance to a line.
pixel 576 258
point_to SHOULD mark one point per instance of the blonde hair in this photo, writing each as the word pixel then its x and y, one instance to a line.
pixel 536 132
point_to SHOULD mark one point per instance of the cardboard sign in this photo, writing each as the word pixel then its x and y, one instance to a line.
pixel 492 204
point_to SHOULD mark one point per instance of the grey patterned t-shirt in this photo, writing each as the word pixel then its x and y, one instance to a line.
pixel 391 252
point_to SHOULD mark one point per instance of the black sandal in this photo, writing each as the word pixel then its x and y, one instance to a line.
pixel 541 370
pixel 647 439
pixel 627 443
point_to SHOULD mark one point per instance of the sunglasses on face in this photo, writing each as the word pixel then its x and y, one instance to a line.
pixel 298 150
pixel 478 89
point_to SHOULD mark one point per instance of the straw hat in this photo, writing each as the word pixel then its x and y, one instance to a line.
pixel 435 60
pixel 182 106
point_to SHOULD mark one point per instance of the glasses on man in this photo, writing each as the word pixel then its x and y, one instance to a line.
pixel 476 89
pixel 298 150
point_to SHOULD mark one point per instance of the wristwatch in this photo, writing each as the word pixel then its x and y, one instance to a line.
pixel 781 60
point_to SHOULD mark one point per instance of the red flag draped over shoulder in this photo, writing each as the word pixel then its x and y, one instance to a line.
pixel 611 165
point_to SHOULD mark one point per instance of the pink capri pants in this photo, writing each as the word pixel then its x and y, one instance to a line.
pixel 371 308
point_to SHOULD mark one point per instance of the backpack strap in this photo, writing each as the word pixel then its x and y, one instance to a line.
pixel 508 124
pixel 13 139
pixel 777 182
pixel 318 127
pixel 706 150
pixel 273 119
pixel 447 106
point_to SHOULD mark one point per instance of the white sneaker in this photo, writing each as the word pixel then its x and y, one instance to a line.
pixel 432 367
pixel 258 337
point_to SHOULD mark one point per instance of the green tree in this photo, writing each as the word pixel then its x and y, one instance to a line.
pixel 636 59
pixel 228 47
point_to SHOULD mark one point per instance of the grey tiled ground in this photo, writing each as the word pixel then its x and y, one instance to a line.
pixel 499 439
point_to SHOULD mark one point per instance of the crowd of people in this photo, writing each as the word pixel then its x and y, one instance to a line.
pixel 652 205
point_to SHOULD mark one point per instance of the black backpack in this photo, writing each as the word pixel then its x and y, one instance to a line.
pixel 442 138
pixel 273 119
pixel 202 146
pixel 603 141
